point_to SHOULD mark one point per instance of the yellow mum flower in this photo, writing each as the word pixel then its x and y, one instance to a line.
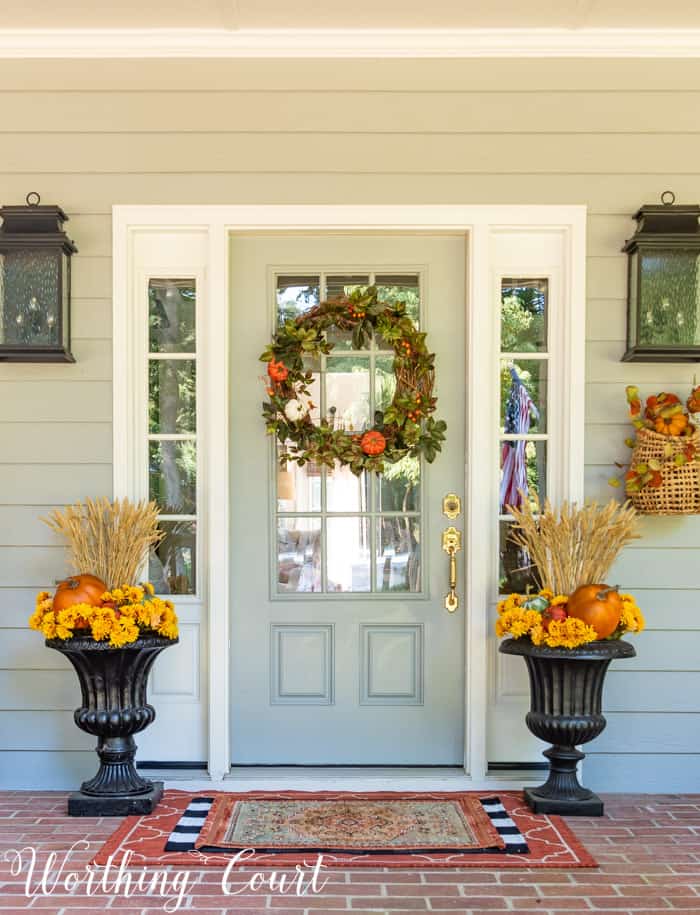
pixel 545 592
pixel 48 626
pixel 36 619
pixel 559 600
pixel 168 630
pixel 569 633
pixel 42 596
pixel 148 588
pixel 124 631
pixel 537 634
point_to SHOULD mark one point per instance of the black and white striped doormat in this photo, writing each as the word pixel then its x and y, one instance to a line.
pixel 189 826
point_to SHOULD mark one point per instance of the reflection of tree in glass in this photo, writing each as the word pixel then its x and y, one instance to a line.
pixel 172 564
pixel 171 315
pixel 670 298
pixel 290 308
pixel 523 312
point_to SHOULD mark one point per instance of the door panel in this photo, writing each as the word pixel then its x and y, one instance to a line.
pixel 342 650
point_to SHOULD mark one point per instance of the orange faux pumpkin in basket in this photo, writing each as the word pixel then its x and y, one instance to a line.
pixel 600 606
pixel 373 442
pixel 78 589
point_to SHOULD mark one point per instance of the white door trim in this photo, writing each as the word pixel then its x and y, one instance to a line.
pixel 219 222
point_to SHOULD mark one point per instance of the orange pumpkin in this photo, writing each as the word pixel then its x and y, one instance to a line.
pixel 672 425
pixel 79 589
pixel 373 442
pixel 597 605
pixel 277 371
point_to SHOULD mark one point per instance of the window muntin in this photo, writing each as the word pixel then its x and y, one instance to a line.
pixel 173 477
pixel 338 533
pixel 524 409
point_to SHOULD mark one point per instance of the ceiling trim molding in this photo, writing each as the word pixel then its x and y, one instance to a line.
pixel 348 43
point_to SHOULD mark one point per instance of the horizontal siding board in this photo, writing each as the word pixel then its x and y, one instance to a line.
pixel 16 604
pixel 459 110
pixel 24 649
pixel 606 319
pixel 190 153
pixel 60 770
pixel 31 567
pixel 662 651
pixel 603 363
pixel 653 568
pixel 58 402
pixel 20 525
pixel 26 443
pixel 39 690
pixel 91 319
pixel 52 484
pixel 651 772
pixel 40 731
pixel 661 692
pixel 91 277
pixel 677 733
pixel 605 443
pixel 94 194
pixel 93 362
pixel 494 75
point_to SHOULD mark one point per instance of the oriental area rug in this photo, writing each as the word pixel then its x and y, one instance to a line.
pixel 350 829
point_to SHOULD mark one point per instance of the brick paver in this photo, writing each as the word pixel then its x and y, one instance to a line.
pixel 648 847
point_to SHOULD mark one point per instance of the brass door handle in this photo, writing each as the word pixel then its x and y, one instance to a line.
pixel 452 544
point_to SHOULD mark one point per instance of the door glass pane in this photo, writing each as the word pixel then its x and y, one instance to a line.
pixel 523 470
pixel 347 392
pixel 298 555
pixel 296 295
pixel 171 315
pixel 171 396
pixel 523 396
pixel 172 475
pixel 346 492
pixel 298 488
pixel 384 382
pixel 348 547
pixel 401 287
pixel 344 284
pixel 399 486
pixel 172 563
pixel 523 315
pixel 516 573
pixel 398 563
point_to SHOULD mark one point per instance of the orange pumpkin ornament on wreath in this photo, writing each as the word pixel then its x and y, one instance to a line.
pixel 373 442
pixel 277 371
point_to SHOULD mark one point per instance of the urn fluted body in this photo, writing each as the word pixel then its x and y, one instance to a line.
pixel 113 684
pixel 566 695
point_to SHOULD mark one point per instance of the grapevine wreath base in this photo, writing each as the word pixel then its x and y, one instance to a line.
pixel 405 429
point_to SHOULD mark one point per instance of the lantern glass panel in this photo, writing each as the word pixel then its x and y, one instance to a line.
pixel 30 296
pixel 65 300
pixel 668 312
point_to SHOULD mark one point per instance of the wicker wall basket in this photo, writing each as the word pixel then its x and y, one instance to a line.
pixel 679 494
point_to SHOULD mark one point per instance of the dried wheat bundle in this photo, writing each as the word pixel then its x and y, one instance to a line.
pixel 108 539
pixel 576 545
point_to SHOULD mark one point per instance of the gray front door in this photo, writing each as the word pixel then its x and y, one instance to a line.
pixel 342 649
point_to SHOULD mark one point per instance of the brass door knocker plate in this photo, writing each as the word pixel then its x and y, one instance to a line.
pixel 452 544
pixel 452 506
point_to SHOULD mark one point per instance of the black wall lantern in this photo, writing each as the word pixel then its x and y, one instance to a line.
pixel 663 287
pixel 35 256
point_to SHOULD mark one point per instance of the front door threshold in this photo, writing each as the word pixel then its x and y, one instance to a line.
pixel 353 778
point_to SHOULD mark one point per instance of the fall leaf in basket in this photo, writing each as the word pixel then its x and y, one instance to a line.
pixel 693 402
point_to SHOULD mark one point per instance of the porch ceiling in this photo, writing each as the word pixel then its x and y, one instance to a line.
pixel 275 14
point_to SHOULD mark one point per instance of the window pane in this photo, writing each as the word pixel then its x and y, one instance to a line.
pixel 670 298
pixel 523 315
pixel 523 469
pixel 171 316
pixel 172 476
pixel 295 296
pixel 347 541
pixel 172 563
pixel 346 492
pixel 398 554
pixel 298 555
pixel 344 284
pixel 399 486
pixel 347 392
pixel 384 382
pixel 516 573
pixel 404 288
pixel 523 396
pixel 171 396
pixel 298 488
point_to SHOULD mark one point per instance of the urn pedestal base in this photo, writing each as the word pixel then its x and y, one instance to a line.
pixel 566 691
pixel 90 805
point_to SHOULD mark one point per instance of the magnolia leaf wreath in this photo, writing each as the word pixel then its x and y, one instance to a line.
pixel 405 429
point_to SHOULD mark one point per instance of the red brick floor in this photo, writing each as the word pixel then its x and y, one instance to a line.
pixel 648 847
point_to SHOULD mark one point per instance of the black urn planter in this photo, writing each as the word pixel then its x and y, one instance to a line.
pixel 113 685
pixel 566 691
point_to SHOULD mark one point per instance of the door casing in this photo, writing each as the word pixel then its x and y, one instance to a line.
pixel 216 223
